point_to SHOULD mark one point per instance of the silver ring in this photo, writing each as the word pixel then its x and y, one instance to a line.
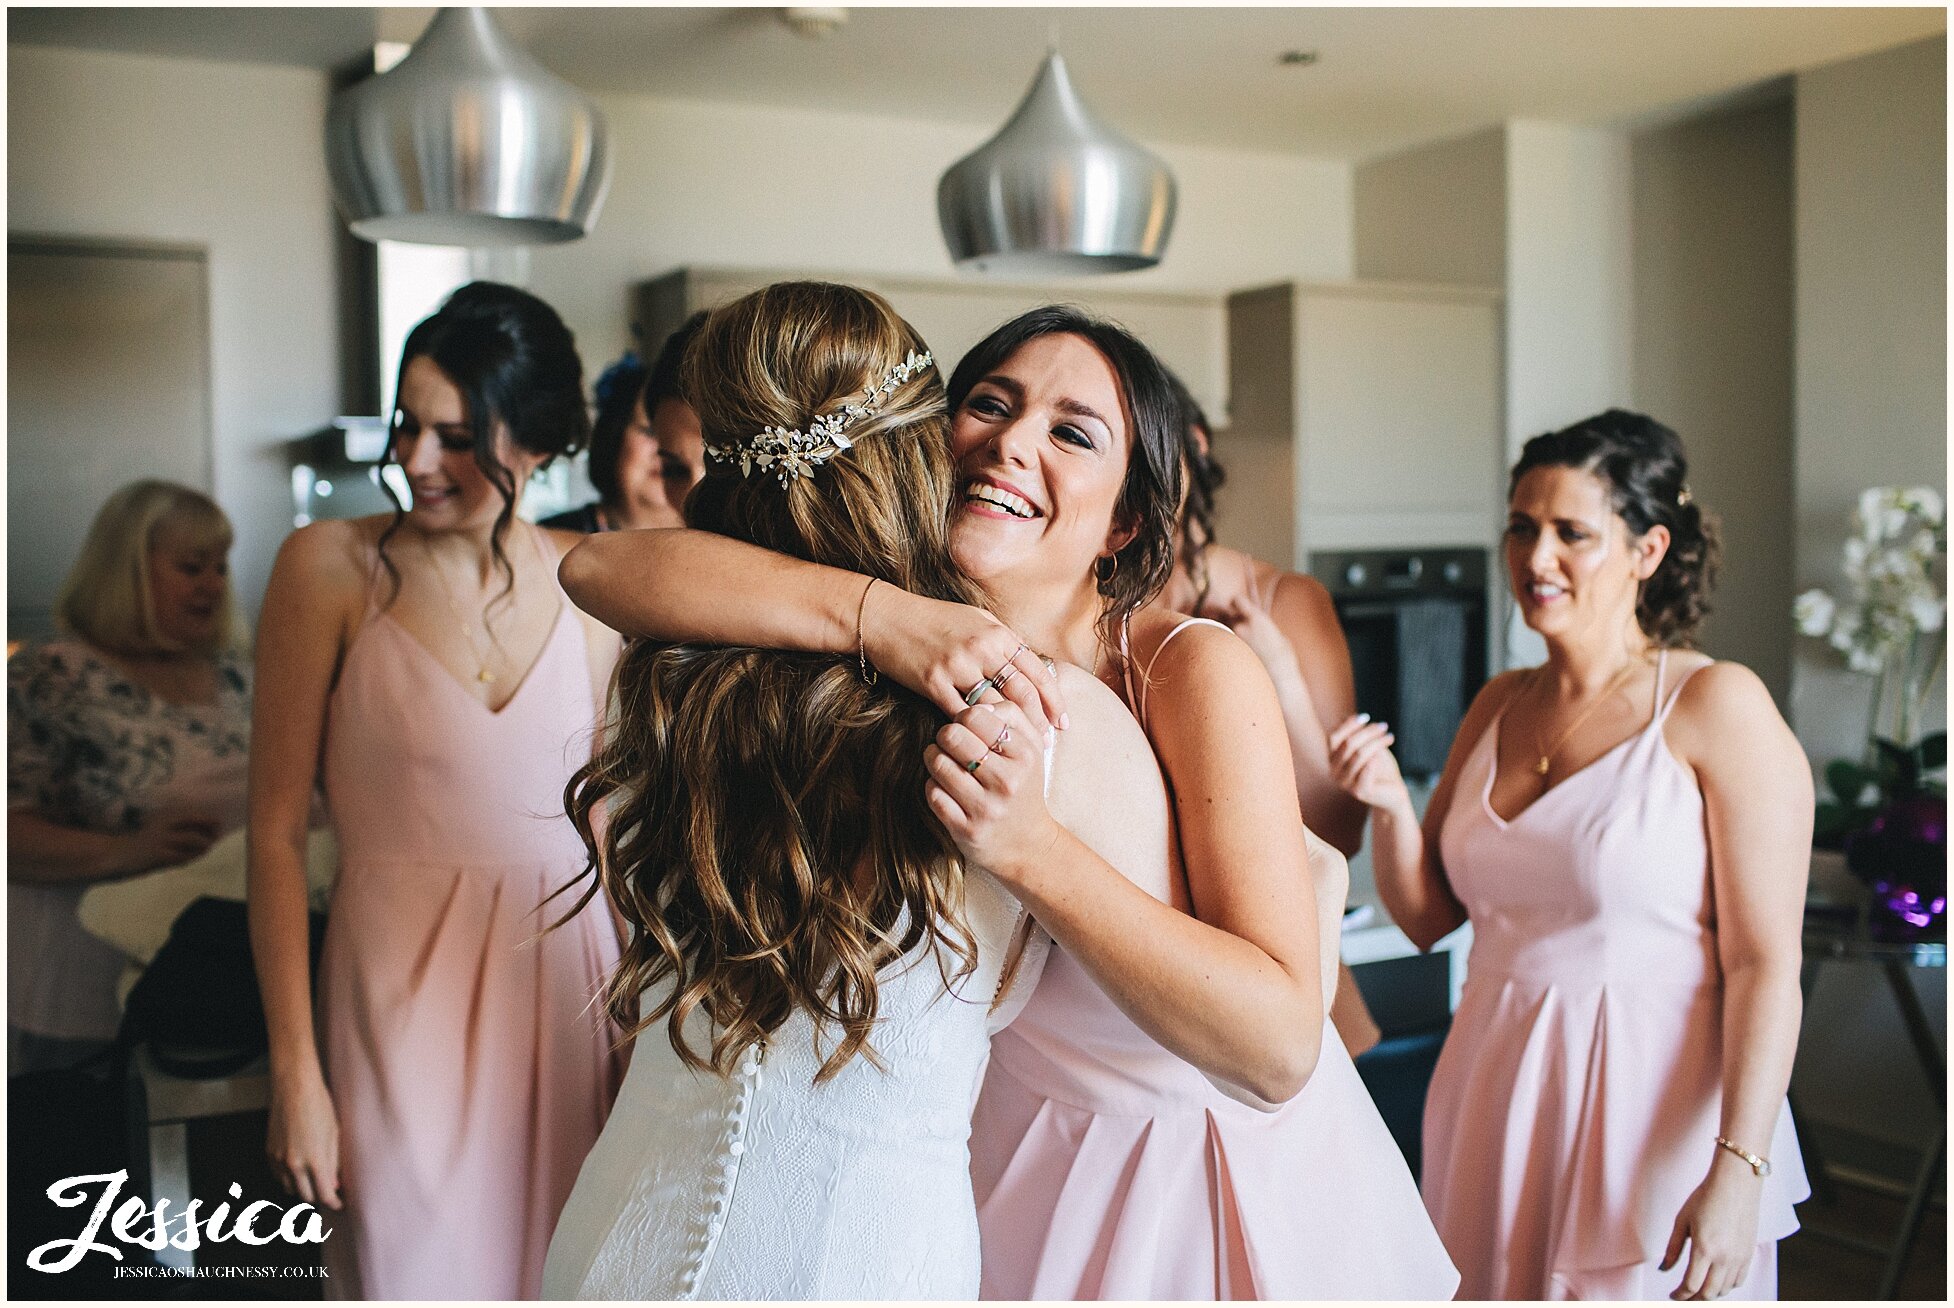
pixel 1004 674
pixel 977 692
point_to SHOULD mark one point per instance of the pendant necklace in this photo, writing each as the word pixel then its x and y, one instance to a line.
pixel 1547 754
pixel 484 673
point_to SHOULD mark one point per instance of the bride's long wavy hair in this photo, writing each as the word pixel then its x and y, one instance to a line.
pixel 757 816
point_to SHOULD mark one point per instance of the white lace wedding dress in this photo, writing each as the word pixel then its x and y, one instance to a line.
pixel 764 1185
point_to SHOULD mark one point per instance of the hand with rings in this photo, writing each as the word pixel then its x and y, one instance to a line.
pixel 953 655
pixel 975 695
pixel 987 786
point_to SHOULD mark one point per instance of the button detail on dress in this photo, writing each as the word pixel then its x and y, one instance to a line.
pixel 733 1148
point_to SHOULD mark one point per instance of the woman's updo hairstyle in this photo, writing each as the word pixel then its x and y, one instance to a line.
pixel 757 816
pixel 745 372
pixel 1647 475
pixel 1150 497
pixel 516 364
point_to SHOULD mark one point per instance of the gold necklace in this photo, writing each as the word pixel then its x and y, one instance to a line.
pixel 484 673
pixel 1547 755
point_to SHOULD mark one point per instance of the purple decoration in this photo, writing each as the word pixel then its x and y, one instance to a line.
pixel 1902 855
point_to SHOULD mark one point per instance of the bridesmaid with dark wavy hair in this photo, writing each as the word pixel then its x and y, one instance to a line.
pixel 425 668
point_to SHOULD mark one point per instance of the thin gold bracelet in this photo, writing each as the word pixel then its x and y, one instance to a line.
pixel 861 649
pixel 1761 1166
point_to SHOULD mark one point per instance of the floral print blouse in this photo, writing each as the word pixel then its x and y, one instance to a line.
pixel 88 747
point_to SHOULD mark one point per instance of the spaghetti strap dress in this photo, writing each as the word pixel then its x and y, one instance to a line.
pixel 1576 1104
pixel 1105 1167
pixel 465 1047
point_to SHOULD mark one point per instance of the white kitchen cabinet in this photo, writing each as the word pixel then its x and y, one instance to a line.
pixel 1365 415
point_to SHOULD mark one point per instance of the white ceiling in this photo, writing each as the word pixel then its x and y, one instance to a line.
pixel 1388 78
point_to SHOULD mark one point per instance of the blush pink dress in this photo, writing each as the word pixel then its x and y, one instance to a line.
pixel 1576 1104
pixel 1107 1168
pixel 468 1057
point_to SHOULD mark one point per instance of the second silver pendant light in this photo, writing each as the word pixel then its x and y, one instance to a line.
pixel 1056 192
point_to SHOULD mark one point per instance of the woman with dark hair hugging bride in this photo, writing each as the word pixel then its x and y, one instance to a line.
pixel 823 880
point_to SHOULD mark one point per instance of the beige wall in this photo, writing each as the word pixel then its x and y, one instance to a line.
pixel 1872 327
pixel 226 156
pixel 758 188
pixel 1435 214
pixel 1712 353
pixel 1871 409
pixel 1569 285
pixel 1568 275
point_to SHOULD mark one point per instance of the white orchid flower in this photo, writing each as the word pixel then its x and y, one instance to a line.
pixel 1928 612
pixel 1813 612
pixel 1925 501
pixel 1856 550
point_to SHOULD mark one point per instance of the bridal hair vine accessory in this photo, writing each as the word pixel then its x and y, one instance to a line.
pixel 791 455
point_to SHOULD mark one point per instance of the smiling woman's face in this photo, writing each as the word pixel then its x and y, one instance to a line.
pixel 1573 563
pixel 1041 445
pixel 436 449
pixel 189 584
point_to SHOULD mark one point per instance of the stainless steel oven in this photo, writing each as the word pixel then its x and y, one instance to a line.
pixel 1416 623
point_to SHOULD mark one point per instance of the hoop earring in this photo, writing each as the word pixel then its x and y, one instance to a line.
pixel 1106 575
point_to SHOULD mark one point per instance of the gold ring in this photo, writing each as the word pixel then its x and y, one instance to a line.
pixel 998 744
pixel 975 763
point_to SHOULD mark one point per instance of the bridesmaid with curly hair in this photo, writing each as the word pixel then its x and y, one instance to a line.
pixel 1626 827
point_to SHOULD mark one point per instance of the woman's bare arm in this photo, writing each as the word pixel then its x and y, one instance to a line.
pixel 1303 611
pixel 1405 859
pixel 1757 795
pixel 679 584
pixel 40 852
pixel 310 605
pixel 1237 990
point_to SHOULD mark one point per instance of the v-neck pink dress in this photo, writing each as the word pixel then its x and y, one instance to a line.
pixel 465 1047
pixel 1576 1104
pixel 1105 1167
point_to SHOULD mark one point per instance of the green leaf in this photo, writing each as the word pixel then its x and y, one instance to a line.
pixel 1898 769
pixel 1847 779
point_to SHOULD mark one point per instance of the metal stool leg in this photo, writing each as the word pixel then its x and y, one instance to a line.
pixel 1916 1212
pixel 169 1181
pixel 1934 1064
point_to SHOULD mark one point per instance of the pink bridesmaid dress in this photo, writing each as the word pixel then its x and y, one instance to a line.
pixel 467 1054
pixel 1107 1168
pixel 1576 1104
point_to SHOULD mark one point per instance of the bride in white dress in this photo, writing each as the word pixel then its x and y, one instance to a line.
pixel 756 1187
pixel 813 973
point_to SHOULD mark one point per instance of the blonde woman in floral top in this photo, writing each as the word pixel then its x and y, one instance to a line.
pixel 126 747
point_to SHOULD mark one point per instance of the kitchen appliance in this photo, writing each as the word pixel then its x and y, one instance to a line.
pixel 1416 624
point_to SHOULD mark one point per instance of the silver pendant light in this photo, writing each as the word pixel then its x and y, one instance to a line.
pixel 1056 192
pixel 467 141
